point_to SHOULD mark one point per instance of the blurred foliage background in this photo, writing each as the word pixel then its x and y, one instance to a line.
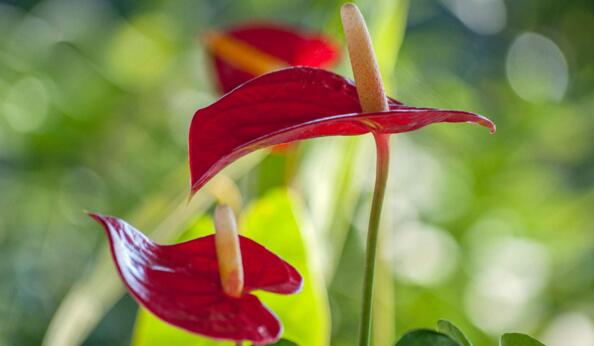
pixel 495 233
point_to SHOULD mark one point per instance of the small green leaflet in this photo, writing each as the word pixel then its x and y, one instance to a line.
pixel 517 339
pixel 453 332
pixel 284 342
pixel 426 337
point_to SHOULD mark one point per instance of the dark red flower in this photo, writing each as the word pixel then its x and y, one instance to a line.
pixel 181 283
pixel 245 52
pixel 294 104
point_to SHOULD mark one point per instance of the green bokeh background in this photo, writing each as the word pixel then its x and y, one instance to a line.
pixel 495 233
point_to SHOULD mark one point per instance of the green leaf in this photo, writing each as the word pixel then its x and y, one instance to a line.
pixel 284 342
pixel 426 337
pixel 518 339
pixel 453 332
pixel 149 330
pixel 272 222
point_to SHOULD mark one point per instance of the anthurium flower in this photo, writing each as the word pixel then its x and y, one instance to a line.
pixel 204 285
pixel 247 51
pixel 294 104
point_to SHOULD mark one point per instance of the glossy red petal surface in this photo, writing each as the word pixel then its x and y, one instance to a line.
pixel 294 47
pixel 180 283
pixel 263 270
pixel 293 104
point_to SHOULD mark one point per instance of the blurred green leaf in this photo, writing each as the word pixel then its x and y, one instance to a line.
pixel 388 30
pixel 518 339
pixel 383 304
pixel 453 332
pixel 149 330
pixel 426 337
pixel 271 221
pixel 332 197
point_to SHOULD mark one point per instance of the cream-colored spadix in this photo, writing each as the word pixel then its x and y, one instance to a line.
pixel 228 251
pixel 365 70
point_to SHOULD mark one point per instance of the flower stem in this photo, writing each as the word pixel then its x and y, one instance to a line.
pixel 382 142
pixel 372 98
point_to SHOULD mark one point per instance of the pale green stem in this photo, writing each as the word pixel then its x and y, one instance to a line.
pixel 382 142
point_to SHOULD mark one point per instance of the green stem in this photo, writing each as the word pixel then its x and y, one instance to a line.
pixel 382 142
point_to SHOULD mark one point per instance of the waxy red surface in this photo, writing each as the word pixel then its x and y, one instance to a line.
pixel 294 47
pixel 181 285
pixel 294 104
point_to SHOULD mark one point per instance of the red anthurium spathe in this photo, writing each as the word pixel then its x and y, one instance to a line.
pixel 245 52
pixel 196 285
pixel 294 104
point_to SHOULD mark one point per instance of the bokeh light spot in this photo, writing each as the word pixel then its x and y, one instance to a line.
pixel 511 273
pixel 26 104
pixel 572 328
pixel 421 254
pixel 536 68
pixel 482 16
pixel 141 51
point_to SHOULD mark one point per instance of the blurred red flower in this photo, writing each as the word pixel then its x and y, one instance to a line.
pixel 247 51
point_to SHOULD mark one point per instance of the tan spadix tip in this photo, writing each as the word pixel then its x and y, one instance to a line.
pixel 369 83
